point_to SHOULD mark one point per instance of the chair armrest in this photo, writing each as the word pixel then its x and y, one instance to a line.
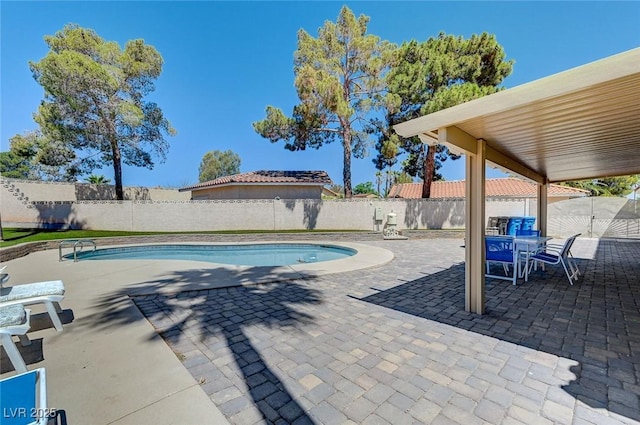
pixel 554 250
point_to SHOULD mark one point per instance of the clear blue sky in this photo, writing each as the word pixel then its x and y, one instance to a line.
pixel 226 61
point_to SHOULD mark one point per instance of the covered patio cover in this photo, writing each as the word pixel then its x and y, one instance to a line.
pixel 579 124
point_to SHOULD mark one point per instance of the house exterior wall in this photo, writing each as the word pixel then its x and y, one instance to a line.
pixel 262 191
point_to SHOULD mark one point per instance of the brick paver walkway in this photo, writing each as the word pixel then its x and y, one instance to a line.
pixel 393 345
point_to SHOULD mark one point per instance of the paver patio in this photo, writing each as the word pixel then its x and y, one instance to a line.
pixel 394 345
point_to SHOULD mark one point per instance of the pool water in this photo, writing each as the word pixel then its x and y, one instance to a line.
pixel 241 255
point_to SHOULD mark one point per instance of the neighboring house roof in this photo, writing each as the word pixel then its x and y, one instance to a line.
pixel 328 192
pixel 504 187
pixel 266 177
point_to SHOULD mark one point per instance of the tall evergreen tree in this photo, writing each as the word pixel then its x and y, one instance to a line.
pixel 13 166
pixel 94 101
pixel 338 77
pixel 427 77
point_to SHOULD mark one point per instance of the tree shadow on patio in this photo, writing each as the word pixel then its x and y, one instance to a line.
pixel 595 322
pixel 220 335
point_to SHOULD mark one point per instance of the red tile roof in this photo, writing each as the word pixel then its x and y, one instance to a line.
pixel 504 187
pixel 266 177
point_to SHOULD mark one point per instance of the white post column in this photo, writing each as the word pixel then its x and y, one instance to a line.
pixel 542 207
pixel 475 230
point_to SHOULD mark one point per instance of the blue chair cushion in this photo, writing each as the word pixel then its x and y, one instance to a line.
pixel 502 256
pixel 545 256
pixel 499 248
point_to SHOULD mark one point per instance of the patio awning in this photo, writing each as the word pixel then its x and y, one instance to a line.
pixel 579 124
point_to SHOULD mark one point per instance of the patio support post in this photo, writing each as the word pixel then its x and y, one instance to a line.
pixel 475 151
pixel 542 207
pixel 475 229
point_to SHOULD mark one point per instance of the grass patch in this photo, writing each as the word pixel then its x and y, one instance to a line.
pixel 12 236
pixel 17 236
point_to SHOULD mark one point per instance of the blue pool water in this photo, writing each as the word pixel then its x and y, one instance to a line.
pixel 241 255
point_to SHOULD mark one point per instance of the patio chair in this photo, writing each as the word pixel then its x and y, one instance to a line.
pixel 48 293
pixel 570 257
pixel 24 399
pixel 559 254
pixel 14 320
pixel 501 249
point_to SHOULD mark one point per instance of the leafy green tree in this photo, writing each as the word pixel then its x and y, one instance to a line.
pixel 45 159
pixel 94 101
pixel 98 179
pixel 608 186
pixel 426 77
pixel 217 164
pixel 13 166
pixel 338 78
pixel 362 188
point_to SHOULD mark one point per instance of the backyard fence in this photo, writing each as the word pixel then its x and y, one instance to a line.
pixel 56 206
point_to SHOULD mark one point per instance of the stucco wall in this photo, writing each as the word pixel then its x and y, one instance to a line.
pixel 597 216
pixel 271 214
pixel 589 216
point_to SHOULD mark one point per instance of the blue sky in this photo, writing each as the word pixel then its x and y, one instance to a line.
pixel 226 61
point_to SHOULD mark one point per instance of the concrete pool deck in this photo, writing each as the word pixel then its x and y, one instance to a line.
pixel 108 365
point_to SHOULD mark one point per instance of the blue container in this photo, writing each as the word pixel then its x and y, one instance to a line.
pixel 514 224
pixel 528 232
pixel 528 223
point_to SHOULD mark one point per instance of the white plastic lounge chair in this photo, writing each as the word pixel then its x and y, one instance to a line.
pixel 48 293
pixel 24 398
pixel 500 249
pixel 554 254
pixel 3 276
pixel 14 320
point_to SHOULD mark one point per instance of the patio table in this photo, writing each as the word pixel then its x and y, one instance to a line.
pixel 526 245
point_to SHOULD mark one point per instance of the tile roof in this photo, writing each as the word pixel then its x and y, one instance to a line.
pixel 266 177
pixel 503 187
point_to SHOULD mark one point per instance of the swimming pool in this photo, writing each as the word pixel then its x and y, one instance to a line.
pixel 271 254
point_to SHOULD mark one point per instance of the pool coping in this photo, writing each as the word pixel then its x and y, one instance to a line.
pixel 220 275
